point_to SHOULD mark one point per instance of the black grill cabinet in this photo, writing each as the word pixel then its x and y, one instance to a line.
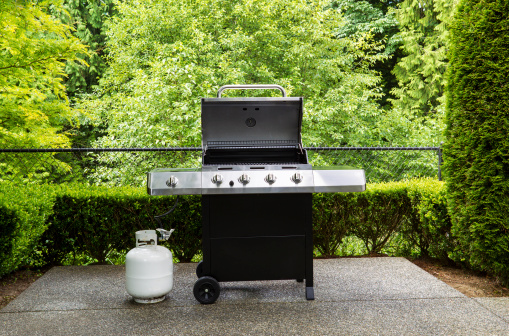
pixel 258 237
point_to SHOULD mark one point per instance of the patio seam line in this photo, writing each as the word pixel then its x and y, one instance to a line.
pixel 237 304
pixel 491 311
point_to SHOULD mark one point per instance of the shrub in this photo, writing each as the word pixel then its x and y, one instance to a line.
pixel 98 220
pixel 412 214
pixel 378 213
pixel 23 215
pixel 476 154
pixel 429 224
pixel 330 222
pixel 185 242
pixel 91 223
pixel 8 222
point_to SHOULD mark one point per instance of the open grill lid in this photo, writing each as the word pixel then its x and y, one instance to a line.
pixel 238 130
pixel 251 121
pixel 259 122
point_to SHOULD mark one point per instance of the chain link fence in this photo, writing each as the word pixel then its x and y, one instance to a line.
pixel 127 166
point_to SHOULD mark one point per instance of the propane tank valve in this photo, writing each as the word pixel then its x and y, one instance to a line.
pixel 165 234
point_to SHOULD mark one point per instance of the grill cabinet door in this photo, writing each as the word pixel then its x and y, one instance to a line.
pixel 257 237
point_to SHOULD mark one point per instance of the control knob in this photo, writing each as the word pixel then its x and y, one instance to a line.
pixel 217 179
pixel 270 178
pixel 244 179
pixel 297 177
pixel 172 181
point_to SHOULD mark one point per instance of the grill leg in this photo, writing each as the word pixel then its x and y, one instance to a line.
pixel 310 293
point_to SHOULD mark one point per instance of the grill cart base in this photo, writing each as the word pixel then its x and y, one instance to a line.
pixel 256 237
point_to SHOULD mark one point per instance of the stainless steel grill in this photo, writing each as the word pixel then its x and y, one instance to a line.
pixel 256 183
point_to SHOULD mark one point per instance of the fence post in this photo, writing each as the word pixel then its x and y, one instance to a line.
pixel 440 161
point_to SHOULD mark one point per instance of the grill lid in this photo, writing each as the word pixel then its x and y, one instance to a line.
pixel 247 122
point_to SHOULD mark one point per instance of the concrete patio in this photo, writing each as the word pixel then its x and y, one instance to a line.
pixel 353 296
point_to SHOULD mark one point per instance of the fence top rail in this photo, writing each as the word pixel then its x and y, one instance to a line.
pixel 371 148
pixel 195 149
pixel 70 150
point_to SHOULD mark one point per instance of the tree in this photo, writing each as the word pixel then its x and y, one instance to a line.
pixel 424 33
pixel 476 155
pixel 165 55
pixel 33 102
pixel 377 18
pixel 87 18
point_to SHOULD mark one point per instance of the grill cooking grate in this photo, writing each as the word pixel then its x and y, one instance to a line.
pixel 261 143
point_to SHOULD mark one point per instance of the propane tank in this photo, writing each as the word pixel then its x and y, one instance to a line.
pixel 149 268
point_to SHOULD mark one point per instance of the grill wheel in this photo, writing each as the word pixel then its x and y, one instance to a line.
pixel 206 290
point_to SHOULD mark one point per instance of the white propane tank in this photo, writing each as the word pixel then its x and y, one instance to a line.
pixel 149 269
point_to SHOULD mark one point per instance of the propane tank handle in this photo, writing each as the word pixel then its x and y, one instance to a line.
pixel 165 234
pixel 251 86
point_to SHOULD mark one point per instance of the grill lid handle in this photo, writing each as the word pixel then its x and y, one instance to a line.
pixel 250 86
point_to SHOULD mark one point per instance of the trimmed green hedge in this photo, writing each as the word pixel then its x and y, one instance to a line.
pixel 476 154
pixel 97 221
pixel 24 214
pixel 378 213
pixel 429 225
pixel 415 209
pixel 331 217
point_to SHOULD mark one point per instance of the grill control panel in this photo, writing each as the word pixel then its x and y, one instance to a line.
pixel 258 181
pixel 221 180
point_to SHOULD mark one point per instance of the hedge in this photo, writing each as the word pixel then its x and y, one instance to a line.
pixel 24 214
pixel 96 221
pixel 476 154
pixel 429 225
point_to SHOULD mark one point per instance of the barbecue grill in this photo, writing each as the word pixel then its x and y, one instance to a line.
pixel 256 185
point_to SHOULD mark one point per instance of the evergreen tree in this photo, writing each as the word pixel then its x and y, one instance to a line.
pixel 424 34
pixel 477 149
pixel 361 17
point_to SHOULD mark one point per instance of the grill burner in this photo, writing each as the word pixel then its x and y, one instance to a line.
pixel 257 190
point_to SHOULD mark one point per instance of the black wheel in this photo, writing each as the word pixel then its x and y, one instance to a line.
pixel 199 269
pixel 206 290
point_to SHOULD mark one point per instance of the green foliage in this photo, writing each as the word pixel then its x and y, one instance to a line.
pixel 97 221
pixel 476 155
pixel 378 213
pixel 81 224
pixel 429 224
pixel 165 56
pixel 87 18
pixel 185 242
pixel 8 222
pixel 412 213
pixel 33 102
pixel 424 33
pixel 24 213
pixel 330 223
pixel 373 17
